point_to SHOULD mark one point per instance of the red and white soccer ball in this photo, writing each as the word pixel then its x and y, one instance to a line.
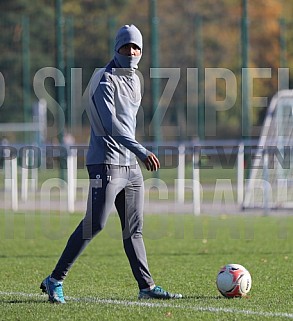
pixel 233 280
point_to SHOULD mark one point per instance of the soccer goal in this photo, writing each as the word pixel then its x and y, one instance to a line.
pixel 270 183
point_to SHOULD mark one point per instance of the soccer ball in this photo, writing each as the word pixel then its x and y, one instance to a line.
pixel 233 280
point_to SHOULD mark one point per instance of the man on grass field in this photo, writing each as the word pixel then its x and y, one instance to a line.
pixel 115 176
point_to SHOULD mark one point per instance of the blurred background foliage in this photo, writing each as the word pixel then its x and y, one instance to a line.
pixel 89 27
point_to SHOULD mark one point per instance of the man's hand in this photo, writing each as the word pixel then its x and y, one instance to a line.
pixel 152 163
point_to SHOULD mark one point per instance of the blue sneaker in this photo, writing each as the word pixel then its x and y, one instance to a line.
pixel 158 293
pixel 53 289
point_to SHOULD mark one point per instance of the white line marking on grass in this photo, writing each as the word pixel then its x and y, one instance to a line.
pixel 158 305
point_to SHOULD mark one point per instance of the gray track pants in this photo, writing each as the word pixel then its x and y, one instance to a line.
pixel 122 186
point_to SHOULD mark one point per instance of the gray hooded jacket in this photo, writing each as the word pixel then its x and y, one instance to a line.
pixel 114 97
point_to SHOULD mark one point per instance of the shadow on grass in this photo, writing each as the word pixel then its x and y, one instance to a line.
pixel 24 301
pixel 202 297
pixel 44 300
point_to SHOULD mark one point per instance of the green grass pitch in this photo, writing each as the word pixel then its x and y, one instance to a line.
pixel 184 254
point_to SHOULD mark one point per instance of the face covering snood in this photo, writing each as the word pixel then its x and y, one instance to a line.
pixel 129 62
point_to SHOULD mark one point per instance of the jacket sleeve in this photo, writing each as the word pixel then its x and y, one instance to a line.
pixel 103 113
